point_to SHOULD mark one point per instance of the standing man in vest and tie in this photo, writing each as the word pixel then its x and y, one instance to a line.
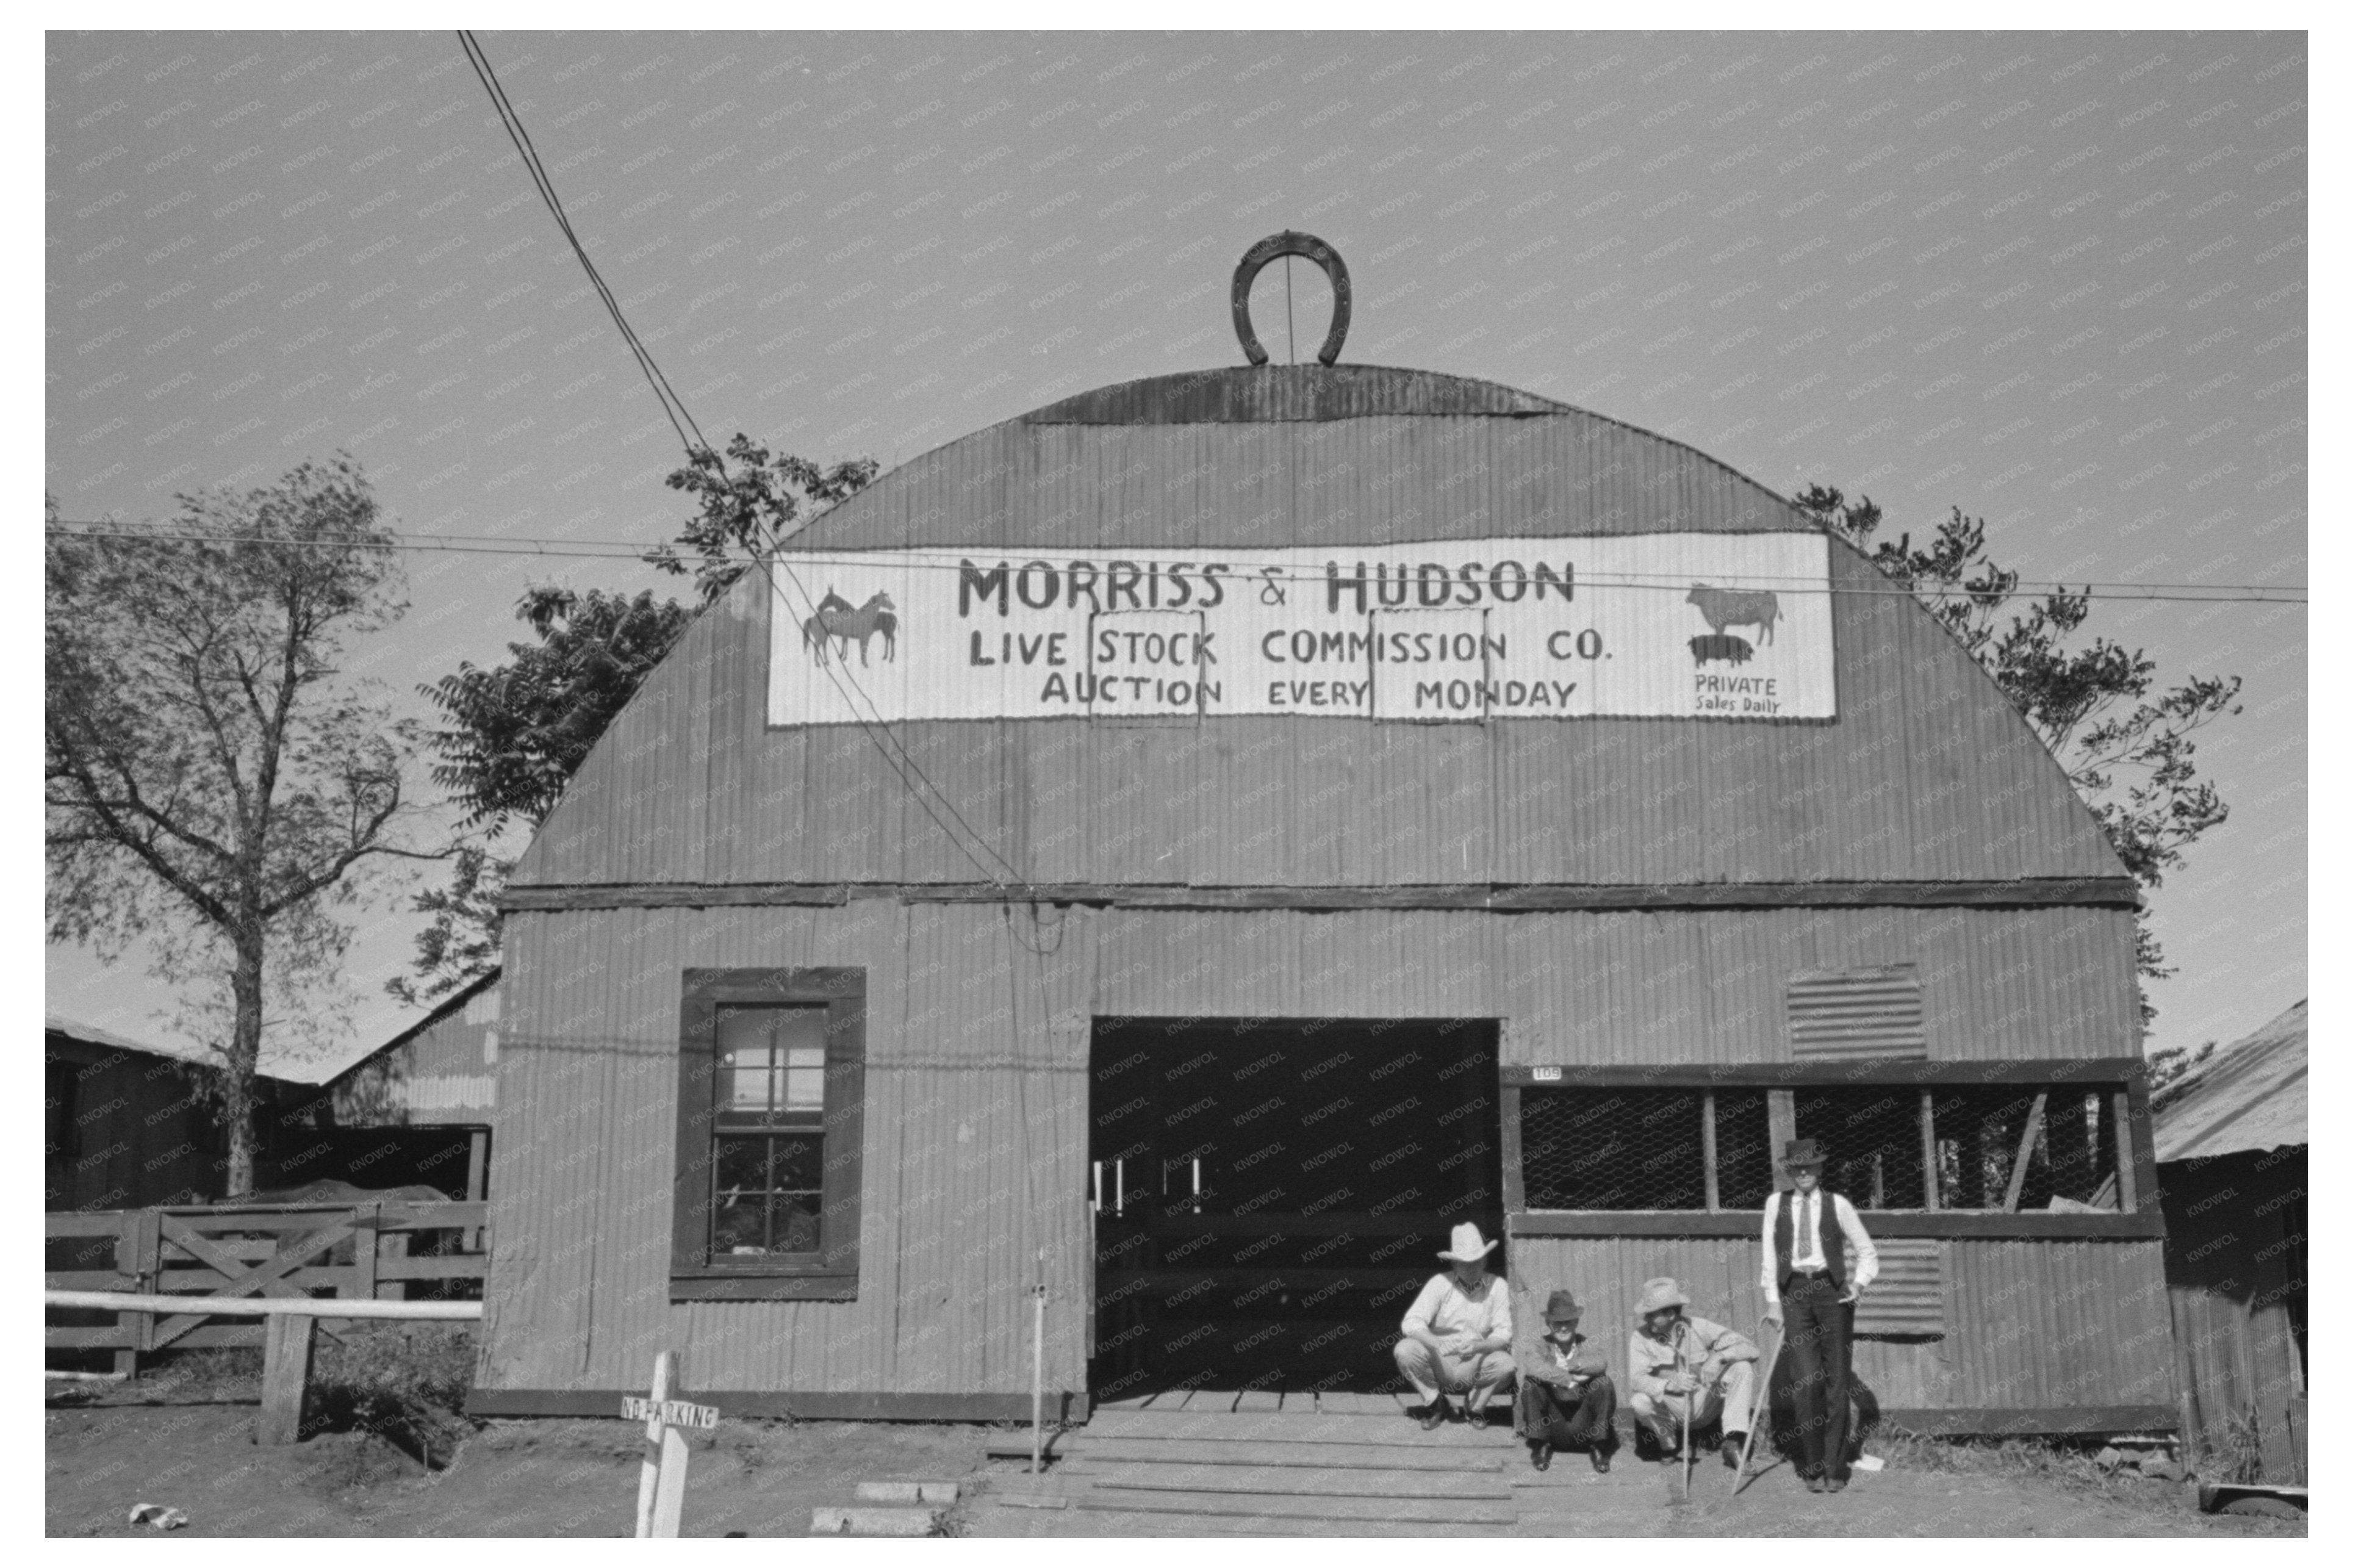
pixel 1818 1261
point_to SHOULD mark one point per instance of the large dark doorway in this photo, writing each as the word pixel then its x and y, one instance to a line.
pixel 1274 1192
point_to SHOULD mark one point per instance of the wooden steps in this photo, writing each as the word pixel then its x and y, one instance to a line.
pixel 1259 1463
pixel 1328 1508
pixel 1307 1454
pixel 1265 1482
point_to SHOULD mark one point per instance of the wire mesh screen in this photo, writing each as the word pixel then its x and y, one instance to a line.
pixel 1611 1149
pixel 1743 1149
pixel 1979 1130
pixel 1871 1139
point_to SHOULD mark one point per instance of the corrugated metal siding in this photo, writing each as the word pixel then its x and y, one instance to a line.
pixel 443 1074
pixel 1228 395
pixel 1908 1297
pixel 1928 774
pixel 1843 1014
pixel 2233 1262
pixel 2046 1325
pixel 977 1084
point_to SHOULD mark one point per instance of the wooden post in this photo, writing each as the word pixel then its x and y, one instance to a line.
pixel 286 1339
pixel 478 1179
pixel 649 1468
pixel 1781 1125
pixel 1707 1147
pixel 2025 1152
pixel 1038 1373
pixel 1929 1148
pixel 2128 1187
pixel 138 1247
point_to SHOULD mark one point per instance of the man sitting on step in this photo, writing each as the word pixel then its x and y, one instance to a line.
pixel 1678 1364
pixel 1566 1398
pixel 1457 1335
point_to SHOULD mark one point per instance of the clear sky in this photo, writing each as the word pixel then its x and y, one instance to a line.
pixel 2056 280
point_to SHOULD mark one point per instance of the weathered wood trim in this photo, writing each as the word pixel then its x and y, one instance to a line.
pixel 1891 1070
pixel 772 1285
pixel 2141 1192
pixel 1330 1222
pixel 2022 1423
pixel 766 1404
pixel 1515 1197
pixel 2113 891
pixel 832 1275
pixel 1958 1224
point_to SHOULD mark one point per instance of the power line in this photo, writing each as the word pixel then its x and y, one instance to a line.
pixel 953 561
pixel 698 447
pixel 672 405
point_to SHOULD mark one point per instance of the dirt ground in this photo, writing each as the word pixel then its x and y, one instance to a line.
pixel 579 1478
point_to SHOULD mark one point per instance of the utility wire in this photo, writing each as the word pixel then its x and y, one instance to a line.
pixel 698 447
pixel 951 561
pixel 672 405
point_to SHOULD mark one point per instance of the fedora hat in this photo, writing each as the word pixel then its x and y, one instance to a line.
pixel 1469 1245
pixel 1658 1294
pixel 1801 1152
pixel 1561 1305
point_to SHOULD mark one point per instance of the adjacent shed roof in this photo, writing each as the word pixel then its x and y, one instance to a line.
pixel 2249 1098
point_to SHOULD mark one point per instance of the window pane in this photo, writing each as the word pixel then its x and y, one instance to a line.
pixel 801 1163
pixel 745 1058
pixel 769 1195
pixel 804 1078
pixel 796 1222
pixel 772 1059
pixel 739 1205
pixel 1611 1149
pixel 1870 1138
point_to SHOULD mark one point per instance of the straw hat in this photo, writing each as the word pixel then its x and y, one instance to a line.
pixel 1469 1245
pixel 1658 1294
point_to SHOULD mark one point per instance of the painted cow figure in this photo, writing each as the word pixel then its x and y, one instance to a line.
pixel 1722 607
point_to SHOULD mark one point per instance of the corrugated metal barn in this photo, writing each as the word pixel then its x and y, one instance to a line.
pixel 2232 1153
pixel 846 981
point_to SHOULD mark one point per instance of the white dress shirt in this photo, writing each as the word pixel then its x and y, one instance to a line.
pixel 1805 1240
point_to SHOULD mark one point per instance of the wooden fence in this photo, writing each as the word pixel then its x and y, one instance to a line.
pixel 355 1252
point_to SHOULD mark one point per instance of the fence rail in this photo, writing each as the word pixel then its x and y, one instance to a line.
pixel 364 1252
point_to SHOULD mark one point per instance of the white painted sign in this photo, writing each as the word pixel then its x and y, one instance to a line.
pixel 668 1411
pixel 1717 626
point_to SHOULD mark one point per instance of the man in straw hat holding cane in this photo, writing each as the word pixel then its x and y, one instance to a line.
pixel 1457 1335
pixel 1687 1371
pixel 1818 1262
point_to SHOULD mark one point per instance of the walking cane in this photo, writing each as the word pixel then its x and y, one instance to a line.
pixel 1760 1409
pixel 1687 1445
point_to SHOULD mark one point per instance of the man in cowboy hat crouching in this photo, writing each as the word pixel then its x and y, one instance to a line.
pixel 1679 1362
pixel 1457 1335
pixel 1818 1262
pixel 1566 1399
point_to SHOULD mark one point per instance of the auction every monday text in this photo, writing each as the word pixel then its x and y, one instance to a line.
pixel 1665 625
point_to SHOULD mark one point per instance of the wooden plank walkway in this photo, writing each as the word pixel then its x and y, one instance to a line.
pixel 1260 1462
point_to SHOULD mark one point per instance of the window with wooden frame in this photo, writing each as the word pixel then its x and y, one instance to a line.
pixel 771 1112
pixel 1929 1149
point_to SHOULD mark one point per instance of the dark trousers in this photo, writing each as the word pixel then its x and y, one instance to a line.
pixel 1550 1414
pixel 1821 1331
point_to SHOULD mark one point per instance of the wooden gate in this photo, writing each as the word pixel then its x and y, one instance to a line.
pixel 361 1252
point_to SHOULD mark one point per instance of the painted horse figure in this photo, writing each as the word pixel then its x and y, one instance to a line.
pixel 835 618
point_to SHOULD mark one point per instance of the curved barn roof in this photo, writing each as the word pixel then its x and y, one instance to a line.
pixel 1926 775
